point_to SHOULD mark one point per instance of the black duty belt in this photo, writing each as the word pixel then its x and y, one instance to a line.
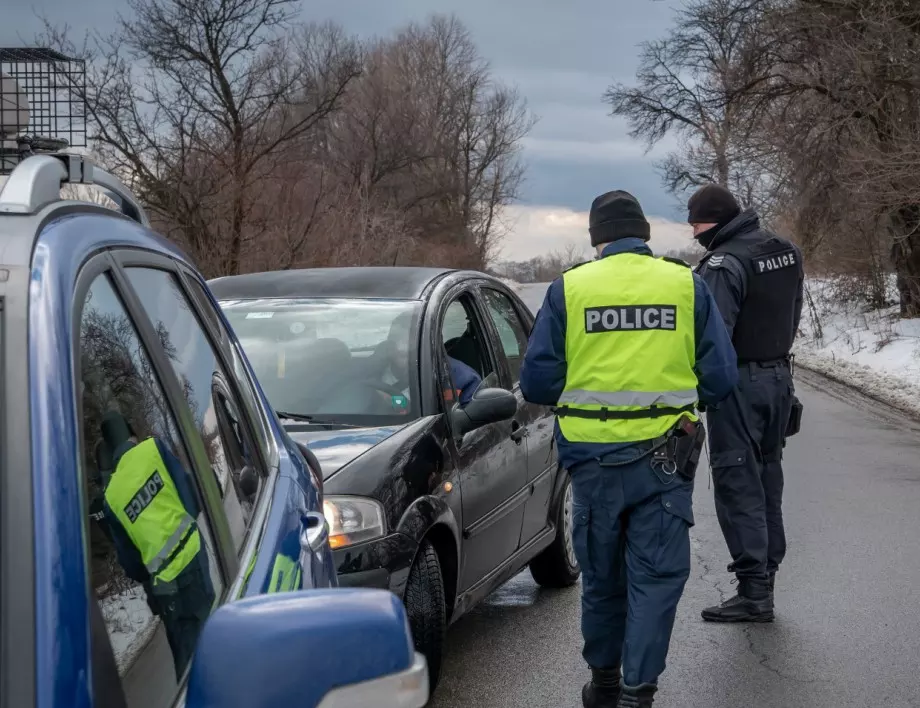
pixel 766 363
pixel 605 414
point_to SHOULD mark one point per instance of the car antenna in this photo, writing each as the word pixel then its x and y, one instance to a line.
pixel 43 89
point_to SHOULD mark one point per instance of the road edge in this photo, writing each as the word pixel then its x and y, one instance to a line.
pixel 899 396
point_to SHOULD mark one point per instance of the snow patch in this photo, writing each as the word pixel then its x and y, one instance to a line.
pixel 130 624
pixel 871 349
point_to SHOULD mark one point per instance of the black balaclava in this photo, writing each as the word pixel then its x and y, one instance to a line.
pixel 711 204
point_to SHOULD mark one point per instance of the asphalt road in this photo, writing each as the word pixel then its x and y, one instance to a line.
pixel 847 633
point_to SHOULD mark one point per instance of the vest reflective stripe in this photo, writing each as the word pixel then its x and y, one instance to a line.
pixel 172 543
pixel 144 499
pixel 643 399
pixel 285 575
pixel 630 345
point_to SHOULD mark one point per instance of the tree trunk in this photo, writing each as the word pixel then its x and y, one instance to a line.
pixel 905 226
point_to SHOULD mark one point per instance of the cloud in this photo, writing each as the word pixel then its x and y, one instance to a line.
pixel 575 151
pixel 538 230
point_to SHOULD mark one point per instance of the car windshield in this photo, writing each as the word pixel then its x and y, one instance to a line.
pixel 345 361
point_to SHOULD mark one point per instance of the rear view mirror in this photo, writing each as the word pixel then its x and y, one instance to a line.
pixel 316 649
pixel 488 405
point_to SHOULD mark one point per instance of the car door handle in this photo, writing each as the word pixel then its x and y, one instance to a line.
pixel 518 431
pixel 316 532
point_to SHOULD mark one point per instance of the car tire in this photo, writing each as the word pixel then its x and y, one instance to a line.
pixel 557 566
pixel 426 609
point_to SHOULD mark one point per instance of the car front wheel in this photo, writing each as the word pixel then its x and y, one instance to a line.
pixel 557 566
pixel 426 609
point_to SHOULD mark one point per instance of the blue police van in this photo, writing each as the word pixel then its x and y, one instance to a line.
pixel 113 351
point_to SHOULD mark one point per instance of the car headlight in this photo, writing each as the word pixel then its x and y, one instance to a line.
pixel 353 520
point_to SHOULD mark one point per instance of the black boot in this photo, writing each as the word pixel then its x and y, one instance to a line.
pixel 603 690
pixel 641 696
pixel 753 603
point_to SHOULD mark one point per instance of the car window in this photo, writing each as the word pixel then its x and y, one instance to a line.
pixel 510 329
pixel 244 384
pixel 153 561
pixel 464 346
pixel 352 361
pixel 207 391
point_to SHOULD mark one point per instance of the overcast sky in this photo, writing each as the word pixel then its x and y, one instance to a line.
pixel 562 55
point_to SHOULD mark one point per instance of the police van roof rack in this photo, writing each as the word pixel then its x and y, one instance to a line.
pixel 37 180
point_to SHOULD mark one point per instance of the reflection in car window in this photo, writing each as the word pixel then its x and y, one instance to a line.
pixel 243 380
pixel 153 561
pixel 345 360
pixel 206 389
pixel 510 330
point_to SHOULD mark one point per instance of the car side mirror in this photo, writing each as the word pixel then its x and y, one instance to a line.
pixel 488 405
pixel 314 648
pixel 249 482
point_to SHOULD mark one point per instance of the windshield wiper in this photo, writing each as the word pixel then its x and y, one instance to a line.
pixel 302 418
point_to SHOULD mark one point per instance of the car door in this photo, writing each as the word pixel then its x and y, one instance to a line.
pixel 511 329
pixel 149 361
pixel 128 397
pixel 492 460
pixel 286 549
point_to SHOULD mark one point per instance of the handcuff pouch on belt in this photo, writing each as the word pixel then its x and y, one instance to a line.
pixel 681 452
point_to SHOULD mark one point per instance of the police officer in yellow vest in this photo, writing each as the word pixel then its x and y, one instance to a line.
pixel 151 507
pixel 627 347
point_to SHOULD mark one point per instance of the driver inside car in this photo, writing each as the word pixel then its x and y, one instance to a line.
pixel 395 373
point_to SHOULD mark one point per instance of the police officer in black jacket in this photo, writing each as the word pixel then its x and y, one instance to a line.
pixel 757 279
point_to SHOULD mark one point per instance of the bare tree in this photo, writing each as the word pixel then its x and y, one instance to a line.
pixel 691 84
pixel 843 88
pixel 428 130
pixel 545 268
pixel 810 111
pixel 196 102
pixel 258 144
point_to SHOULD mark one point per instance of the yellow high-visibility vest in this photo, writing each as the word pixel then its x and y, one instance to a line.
pixel 630 348
pixel 144 499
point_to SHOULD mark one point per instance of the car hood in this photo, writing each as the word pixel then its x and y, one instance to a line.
pixel 336 448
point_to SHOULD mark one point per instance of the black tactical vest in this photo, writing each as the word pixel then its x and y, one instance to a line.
pixel 765 328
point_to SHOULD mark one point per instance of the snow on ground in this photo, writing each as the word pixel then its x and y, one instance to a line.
pixel 872 350
pixel 130 624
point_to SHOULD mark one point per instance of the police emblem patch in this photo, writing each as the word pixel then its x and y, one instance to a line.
pixel 777 261
pixel 630 318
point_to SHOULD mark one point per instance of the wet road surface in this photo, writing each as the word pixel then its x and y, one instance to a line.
pixel 847 633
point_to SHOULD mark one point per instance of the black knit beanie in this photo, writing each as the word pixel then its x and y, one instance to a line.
pixel 115 429
pixel 712 204
pixel 617 215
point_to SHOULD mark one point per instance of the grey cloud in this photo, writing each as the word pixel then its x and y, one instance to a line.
pixel 576 185
pixel 561 55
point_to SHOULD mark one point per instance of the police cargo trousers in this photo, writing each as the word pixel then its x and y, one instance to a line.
pixel 185 609
pixel 746 435
pixel 631 533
